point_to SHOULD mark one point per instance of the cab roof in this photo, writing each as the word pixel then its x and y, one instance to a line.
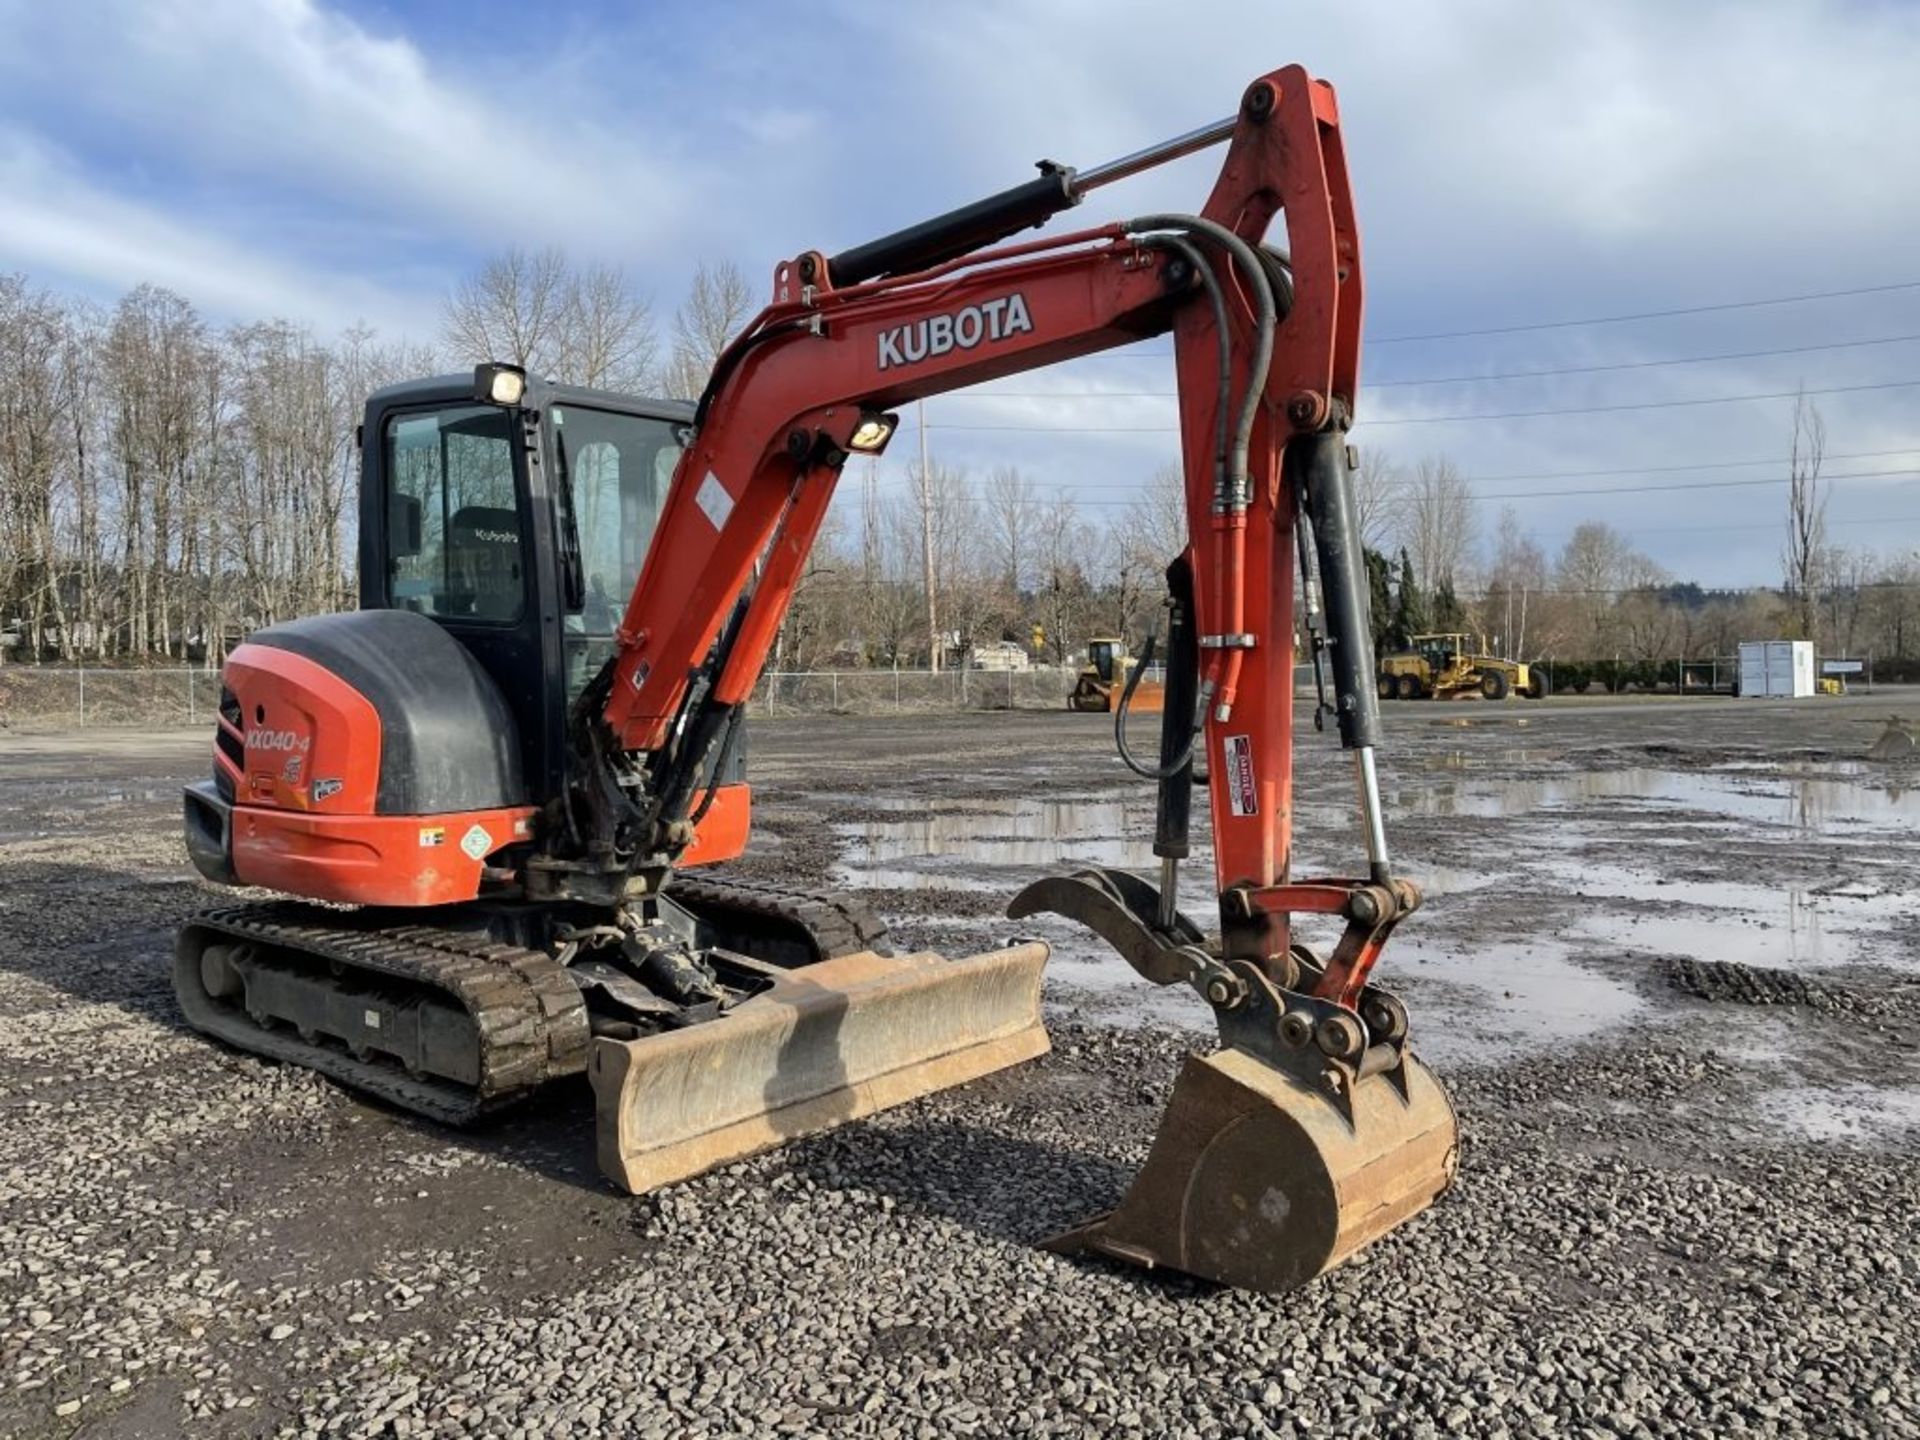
pixel 440 388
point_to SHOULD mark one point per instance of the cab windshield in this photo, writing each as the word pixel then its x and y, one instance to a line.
pixel 618 468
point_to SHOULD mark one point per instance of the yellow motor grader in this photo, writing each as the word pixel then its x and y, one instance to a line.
pixel 1444 667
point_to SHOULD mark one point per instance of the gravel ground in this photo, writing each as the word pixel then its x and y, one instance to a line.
pixel 1669 972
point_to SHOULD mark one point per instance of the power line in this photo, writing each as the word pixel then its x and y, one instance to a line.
pixel 1103 502
pixel 1453 419
pixel 1371 385
pixel 1647 404
pixel 1698 465
pixel 1530 327
pixel 1646 314
pixel 1716 358
pixel 1680 485
pixel 1659 589
pixel 1668 469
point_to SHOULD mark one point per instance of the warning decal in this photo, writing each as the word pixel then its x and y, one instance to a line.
pixel 1241 795
pixel 714 501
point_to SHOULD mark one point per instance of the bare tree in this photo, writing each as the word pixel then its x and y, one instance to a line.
pixel 1514 581
pixel 1065 593
pixel 1013 511
pixel 1377 486
pixel 607 336
pixel 889 604
pixel 716 306
pixel 1588 575
pixel 1435 523
pixel 938 529
pixel 1893 610
pixel 512 309
pixel 1155 524
pixel 1847 577
pixel 33 432
pixel 583 325
pixel 1806 514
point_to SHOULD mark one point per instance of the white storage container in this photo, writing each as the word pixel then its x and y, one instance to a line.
pixel 1782 668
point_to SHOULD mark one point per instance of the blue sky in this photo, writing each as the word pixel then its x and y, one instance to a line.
pixel 1515 163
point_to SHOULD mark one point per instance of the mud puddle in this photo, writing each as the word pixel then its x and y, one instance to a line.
pixel 989 844
pixel 1828 800
pixel 1842 1112
pixel 1771 925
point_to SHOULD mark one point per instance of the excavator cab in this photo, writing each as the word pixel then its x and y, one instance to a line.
pixel 1100 658
pixel 518 528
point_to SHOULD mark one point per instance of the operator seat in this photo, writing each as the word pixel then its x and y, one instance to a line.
pixel 483 563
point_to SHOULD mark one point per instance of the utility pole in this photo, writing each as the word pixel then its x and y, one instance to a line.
pixel 926 539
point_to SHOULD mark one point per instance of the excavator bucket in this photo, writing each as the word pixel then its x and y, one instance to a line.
pixel 1256 1181
pixel 824 1045
pixel 1275 1161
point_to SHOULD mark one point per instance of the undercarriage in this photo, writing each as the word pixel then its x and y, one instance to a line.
pixel 459 1012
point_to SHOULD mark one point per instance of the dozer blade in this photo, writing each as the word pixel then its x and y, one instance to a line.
pixel 1255 1180
pixel 826 1044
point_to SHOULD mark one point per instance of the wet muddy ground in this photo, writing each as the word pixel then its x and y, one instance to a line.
pixel 1669 965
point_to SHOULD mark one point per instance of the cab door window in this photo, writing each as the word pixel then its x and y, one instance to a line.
pixel 456 548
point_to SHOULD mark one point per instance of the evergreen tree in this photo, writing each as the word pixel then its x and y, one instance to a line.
pixel 1449 616
pixel 1379 599
pixel 1409 606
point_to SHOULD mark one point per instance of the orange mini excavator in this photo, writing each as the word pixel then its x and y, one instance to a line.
pixel 507 770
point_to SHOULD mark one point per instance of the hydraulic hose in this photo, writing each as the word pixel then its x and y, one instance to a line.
pixel 1230 506
pixel 1266 319
pixel 1166 769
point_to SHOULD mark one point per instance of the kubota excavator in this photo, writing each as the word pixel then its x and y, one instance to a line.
pixel 506 770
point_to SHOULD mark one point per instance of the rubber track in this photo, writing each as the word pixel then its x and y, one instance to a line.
pixel 838 923
pixel 531 1017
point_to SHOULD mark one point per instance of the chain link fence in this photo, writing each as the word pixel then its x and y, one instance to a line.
pixel 49 697
pixel 882 692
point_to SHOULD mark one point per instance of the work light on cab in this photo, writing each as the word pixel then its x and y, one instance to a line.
pixel 497 384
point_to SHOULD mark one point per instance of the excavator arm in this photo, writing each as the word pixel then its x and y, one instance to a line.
pixel 1267 356
pixel 1266 345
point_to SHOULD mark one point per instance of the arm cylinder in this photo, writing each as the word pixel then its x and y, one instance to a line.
pixel 1318 463
pixel 953 234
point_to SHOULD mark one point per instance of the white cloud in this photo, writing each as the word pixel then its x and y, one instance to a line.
pixel 62 230
pixel 1513 162
pixel 283 94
